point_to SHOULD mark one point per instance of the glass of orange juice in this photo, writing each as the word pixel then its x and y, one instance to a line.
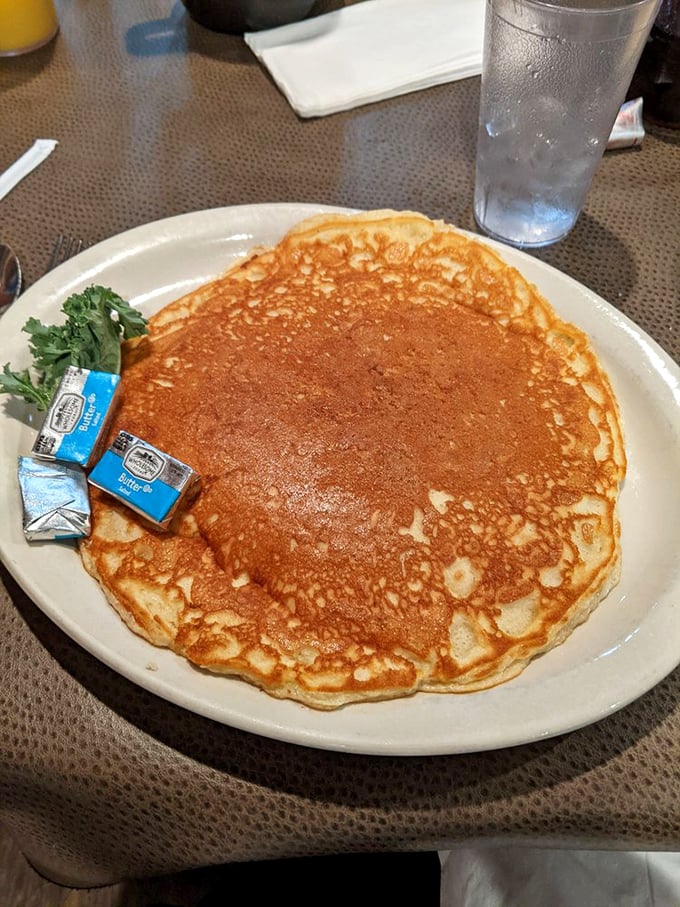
pixel 26 25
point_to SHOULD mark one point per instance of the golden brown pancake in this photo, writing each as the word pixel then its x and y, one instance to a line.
pixel 410 468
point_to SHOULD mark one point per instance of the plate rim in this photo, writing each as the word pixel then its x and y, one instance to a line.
pixel 65 275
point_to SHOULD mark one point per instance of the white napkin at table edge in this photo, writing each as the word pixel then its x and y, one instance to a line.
pixel 371 51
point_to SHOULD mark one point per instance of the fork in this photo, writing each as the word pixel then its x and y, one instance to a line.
pixel 65 247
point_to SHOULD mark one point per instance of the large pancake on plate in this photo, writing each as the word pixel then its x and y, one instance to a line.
pixel 410 468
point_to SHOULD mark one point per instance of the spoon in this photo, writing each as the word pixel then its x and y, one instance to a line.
pixel 10 277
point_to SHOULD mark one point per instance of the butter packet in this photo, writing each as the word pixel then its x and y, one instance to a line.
pixel 78 416
pixel 145 478
pixel 628 130
pixel 56 503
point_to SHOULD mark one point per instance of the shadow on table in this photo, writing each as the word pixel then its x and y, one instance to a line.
pixel 422 783
pixel 590 254
pixel 177 33
pixel 16 71
pixel 595 257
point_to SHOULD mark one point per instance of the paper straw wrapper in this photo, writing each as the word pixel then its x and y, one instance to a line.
pixel 28 161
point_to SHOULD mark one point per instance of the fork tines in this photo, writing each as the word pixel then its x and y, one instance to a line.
pixel 65 247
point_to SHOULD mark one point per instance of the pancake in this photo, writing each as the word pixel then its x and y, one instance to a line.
pixel 410 468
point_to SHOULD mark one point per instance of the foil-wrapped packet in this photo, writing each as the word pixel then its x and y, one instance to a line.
pixel 55 499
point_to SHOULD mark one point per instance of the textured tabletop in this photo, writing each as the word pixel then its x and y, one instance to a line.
pixel 100 780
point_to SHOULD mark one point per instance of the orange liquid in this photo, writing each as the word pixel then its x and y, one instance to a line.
pixel 26 25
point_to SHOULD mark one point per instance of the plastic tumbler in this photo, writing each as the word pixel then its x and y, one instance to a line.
pixel 554 75
pixel 26 25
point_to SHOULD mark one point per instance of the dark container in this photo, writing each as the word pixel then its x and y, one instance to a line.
pixel 657 77
pixel 238 16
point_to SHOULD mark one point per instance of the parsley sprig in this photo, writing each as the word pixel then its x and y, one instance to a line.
pixel 97 321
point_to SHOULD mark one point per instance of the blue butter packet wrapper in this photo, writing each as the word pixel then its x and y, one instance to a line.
pixel 80 412
pixel 145 478
pixel 55 500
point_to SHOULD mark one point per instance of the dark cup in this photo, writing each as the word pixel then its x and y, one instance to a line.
pixel 238 16
pixel 657 77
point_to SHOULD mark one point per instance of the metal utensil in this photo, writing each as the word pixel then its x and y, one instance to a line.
pixel 10 277
pixel 65 247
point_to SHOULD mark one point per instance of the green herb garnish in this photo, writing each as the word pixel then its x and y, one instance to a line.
pixel 97 321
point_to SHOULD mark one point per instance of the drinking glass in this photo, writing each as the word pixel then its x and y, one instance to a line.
pixel 554 76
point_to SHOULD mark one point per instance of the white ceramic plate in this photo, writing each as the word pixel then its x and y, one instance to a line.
pixel 629 644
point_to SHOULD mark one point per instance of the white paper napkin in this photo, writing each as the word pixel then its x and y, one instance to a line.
pixel 498 876
pixel 370 51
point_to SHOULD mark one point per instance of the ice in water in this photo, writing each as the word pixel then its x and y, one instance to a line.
pixel 538 144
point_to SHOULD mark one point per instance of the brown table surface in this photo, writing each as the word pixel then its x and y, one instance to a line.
pixel 101 780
